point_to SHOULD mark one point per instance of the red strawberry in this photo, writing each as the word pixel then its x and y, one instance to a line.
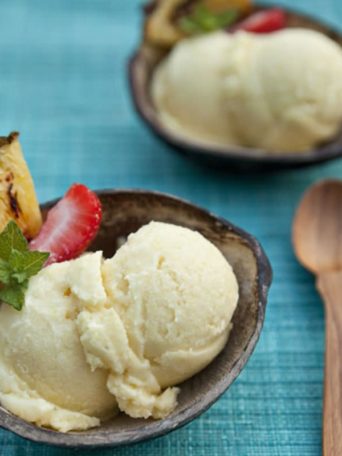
pixel 70 225
pixel 265 21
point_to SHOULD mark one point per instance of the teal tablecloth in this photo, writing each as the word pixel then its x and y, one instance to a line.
pixel 63 86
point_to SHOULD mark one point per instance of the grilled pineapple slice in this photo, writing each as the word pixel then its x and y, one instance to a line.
pixel 18 199
pixel 159 27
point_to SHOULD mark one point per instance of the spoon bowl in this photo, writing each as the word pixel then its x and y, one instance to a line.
pixel 141 68
pixel 125 211
pixel 317 227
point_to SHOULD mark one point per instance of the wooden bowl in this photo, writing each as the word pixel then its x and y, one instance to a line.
pixel 124 211
pixel 141 67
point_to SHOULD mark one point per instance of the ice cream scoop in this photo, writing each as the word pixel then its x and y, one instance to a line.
pixel 175 294
pixel 44 376
pixel 278 92
pixel 187 89
pixel 283 91
pixel 93 334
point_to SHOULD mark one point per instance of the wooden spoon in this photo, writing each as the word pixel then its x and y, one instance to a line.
pixel 317 240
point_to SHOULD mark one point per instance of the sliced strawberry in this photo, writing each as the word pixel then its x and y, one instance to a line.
pixel 70 225
pixel 265 21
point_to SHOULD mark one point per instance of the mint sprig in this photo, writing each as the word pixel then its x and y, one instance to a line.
pixel 202 20
pixel 17 265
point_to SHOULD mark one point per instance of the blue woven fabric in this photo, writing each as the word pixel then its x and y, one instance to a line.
pixel 63 85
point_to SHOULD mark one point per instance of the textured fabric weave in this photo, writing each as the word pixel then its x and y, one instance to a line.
pixel 63 85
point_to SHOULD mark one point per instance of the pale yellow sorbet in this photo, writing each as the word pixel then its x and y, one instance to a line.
pixel 281 92
pixel 187 89
pixel 44 376
pixel 175 294
pixel 94 334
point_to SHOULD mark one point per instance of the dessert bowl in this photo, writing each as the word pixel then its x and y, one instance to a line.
pixel 141 68
pixel 125 211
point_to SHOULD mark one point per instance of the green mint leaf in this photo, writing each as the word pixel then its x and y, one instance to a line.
pixel 201 13
pixel 12 238
pixel 17 265
pixel 26 264
pixel 202 20
pixel 188 26
pixel 14 295
pixel 227 18
pixel 5 272
pixel 207 20
pixel 19 277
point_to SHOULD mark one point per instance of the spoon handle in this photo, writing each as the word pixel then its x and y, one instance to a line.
pixel 330 287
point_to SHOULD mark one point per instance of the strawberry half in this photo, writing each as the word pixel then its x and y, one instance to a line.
pixel 70 225
pixel 265 21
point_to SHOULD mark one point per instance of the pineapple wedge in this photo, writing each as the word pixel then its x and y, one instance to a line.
pixel 159 28
pixel 18 199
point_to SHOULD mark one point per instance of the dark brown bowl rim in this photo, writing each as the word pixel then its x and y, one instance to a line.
pixel 158 428
pixel 238 155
